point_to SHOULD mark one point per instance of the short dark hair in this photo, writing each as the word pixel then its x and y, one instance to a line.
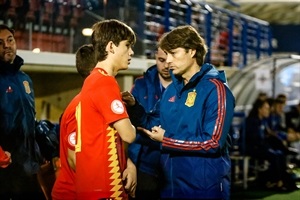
pixel 185 37
pixel 5 27
pixel 281 96
pixel 257 105
pixel 110 30
pixel 85 60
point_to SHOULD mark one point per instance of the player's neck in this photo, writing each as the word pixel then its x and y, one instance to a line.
pixel 103 65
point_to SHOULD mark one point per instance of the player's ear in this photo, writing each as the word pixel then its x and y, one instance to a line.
pixel 110 47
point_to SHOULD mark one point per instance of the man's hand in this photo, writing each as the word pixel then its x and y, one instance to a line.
pixel 130 178
pixel 5 158
pixel 156 133
pixel 128 98
pixel 8 155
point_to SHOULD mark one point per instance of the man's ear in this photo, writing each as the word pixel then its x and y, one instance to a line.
pixel 192 52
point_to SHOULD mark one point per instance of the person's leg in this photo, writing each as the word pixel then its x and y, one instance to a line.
pixel 147 187
pixel 26 187
pixel 5 183
pixel 4 190
pixel 46 177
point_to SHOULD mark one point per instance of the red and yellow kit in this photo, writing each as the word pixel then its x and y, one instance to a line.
pixel 100 158
pixel 64 187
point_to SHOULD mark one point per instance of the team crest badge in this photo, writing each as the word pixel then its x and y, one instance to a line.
pixel 27 87
pixel 190 100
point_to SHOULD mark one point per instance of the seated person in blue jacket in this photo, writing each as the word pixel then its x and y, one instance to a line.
pixel 263 144
pixel 191 121
pixel 293 123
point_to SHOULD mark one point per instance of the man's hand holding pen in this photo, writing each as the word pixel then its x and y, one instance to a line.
pixel 156 133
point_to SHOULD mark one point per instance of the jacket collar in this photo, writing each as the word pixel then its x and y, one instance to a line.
pixel 11 68
pixel 207 71
pixel 151 73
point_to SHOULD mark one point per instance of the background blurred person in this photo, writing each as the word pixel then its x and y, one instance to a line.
pixel 263 144
pixel 144 152
pixel 293 126
pixel 17 125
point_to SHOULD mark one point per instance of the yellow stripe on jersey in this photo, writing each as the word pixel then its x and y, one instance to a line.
pixel 78 119
pixel 116 180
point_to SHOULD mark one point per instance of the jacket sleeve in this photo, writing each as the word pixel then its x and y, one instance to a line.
pixel 4 159
pixel 138 114
pixel 143 139
pixel 140 118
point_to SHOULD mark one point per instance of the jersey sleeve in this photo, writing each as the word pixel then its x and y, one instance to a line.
pixel 70 137
pixel 69 124
pixel 108 99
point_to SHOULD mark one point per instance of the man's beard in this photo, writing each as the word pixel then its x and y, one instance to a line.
pixel 9 57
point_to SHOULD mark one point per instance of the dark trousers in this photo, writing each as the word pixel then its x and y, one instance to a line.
pixel 16 185
pixel 147 187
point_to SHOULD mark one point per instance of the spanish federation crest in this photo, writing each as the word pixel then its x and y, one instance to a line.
pixel 190 100
pixel 27 87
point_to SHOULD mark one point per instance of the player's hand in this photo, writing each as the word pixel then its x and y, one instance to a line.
pixel 130 178
pixel 128 98
pixel 156 133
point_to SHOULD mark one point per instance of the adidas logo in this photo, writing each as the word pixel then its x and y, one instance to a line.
pixel 172 99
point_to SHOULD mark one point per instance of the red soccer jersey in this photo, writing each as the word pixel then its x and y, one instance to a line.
pixel 64 187
pixel 98 154
pixel 4 159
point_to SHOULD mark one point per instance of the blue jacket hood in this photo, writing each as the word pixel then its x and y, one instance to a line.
pixel 151 73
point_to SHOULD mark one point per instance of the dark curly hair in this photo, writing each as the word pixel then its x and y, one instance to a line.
pixel 185 37
pixel 5 27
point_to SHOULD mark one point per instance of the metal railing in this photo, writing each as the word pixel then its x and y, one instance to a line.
pixel 233 39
